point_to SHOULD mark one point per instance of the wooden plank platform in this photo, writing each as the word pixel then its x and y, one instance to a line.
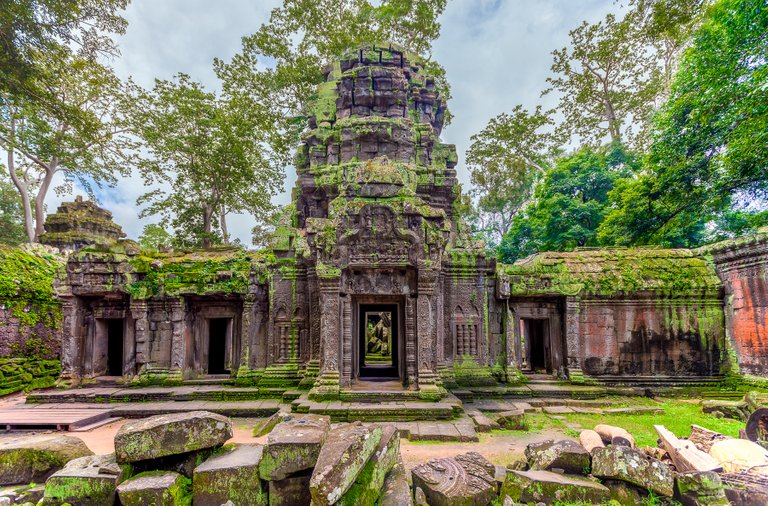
pixel 38 418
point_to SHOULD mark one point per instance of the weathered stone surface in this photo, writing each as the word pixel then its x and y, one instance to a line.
pixel 738 455
pixel 565 454
pixel 158 488
pixel 396 490
pixel 625 493
pixel 610 432
pixel 291 491
pixel 163 435
pixel 630 465
pixel 700 489
pixel 482 422
pixel 230 476
pixel 369 482
pixel 466 479
pixel 590 440
pixel 85 481
pixel 345 452
pixel 293 445
pixel 547 487
pixel 738 410
pixel 265 426
pixel 513 419
pixel 26 459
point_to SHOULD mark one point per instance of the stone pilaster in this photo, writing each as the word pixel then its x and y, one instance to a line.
pixel 426 326
pixel 71 339
pixel 327 383
pixel 139 310
pixel 572 345
pixel 176 311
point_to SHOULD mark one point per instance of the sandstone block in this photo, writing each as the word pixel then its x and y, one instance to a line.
pixel 630 465
pixel 158 488
pixel 368 485
pixel 231 476
pixel 514 419
pixel 396 490
pixel 26 459
pixel 737 410
pixel 547 487
pixel 291 491
pixel 163 435
pixel 465 479
pixel 85 481
pixel 700 489
pixel 293 445
pixel 567 455
pixel 609 433
pixel 590 440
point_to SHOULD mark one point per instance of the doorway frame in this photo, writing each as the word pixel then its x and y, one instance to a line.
pixel 546 343
pixel 228 341
pixel 396 305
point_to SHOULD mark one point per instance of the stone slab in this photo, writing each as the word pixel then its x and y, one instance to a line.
pixel 230 476
pixel 547 487
pixel 85 481
pixel 25 459
pixel 293 445
pixel 158 488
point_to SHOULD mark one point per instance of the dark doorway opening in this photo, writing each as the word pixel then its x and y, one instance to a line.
pixel 378 331
pixel 115 347
pixel 217 345
pixel 537 335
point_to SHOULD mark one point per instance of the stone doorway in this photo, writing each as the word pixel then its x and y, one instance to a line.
pixel 536 338
pixel 115 346
pixel 379 340
pixel 219 342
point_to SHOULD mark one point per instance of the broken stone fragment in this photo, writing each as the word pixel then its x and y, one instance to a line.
pixel 369 482
pixel 482 422
pixel 232 475
pixel 700 489
pixel 567 455
pixel 626 493
pixel 609 432
pixel 293 445
pixel 85 481
pixel 158 488
pixel 291 491
pixel 737 410
pixel 163 435
pixel 397 489
pixel 464 479
pixel 633 466
pixel 345 452
pixel 547 487
pixel 27 459
pixel 265 426
pixel 513 419
pixel 737 455
pixel 590 440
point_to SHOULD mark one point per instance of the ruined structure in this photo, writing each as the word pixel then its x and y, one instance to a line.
pixel 78 224
pixel 372 273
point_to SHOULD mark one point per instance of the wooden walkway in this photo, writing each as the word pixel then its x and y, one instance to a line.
pixel 26 417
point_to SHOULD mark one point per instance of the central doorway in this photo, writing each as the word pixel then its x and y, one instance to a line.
pixel 378 331
pixel 536 334
pixel 218 333
pixel 115 347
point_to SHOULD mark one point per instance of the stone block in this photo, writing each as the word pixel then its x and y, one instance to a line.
pixel 513 419
pixel 565 454
pixel 293 445
pixel 737 410
pixel 700 489
pixel 230 476
pixel 549 488
pixel 396 490
pixel 368 485
pixel 85 481
pixel 291 491
pixel 26 459
pixel 156 488
pixel 630 465
pixel 464 479
pixel 164 435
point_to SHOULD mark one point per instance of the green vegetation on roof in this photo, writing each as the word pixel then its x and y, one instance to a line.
pixel 26 284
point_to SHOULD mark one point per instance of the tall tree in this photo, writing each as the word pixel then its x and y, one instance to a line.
pixel 11 220
pixel 505 160
pixel 709 142
pixel 79 135
pixel 154 237
pixel 208 152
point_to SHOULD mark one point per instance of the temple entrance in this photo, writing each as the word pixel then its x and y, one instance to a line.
pixel 115 347
pixel 218 336
pixel 536 338
pixel 378 330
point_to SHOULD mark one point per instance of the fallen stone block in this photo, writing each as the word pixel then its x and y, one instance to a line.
pixel 590 440
pixel 610 433
pixel 27 459
pixel 626 493
pixel 464 479
pixel 265 426
pixel 345 452
pixel 700 489
pixel 513 419
pixel 567 455
pixel 547 487
pixel 291 491
pixel 293 445
pixel 737 410
pixel 630 465
pixel 396 490
pixel 164 435
pixel 85 481
pixel 158 488
pixel 232 475
pixel 737 455
pixel 482 422
pixel 369 482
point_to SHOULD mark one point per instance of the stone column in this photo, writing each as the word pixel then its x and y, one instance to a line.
pixel 327 383
pixel 139 310
pixel 426 333
pixel 247 324
pixel 313 324
pixel 71 339
pixel 346 342
pixel 573 353
pixel 410 342
pixel 178 345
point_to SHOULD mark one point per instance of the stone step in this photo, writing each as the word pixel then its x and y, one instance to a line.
pixel 153 394
pixel 341 411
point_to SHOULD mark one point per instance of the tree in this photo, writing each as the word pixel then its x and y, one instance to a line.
pixel 30 28
pixel 208 152
pixel 607 80
pixel 505 160
pixel 80 134
pixel 570 203
pixel 154 237
pixel 300 36
pixel 709 140
pixel 11 221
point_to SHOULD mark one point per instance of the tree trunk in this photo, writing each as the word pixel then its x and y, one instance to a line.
pixel 26 204
pixel 223 221
pixel 207 215
pixel 40 200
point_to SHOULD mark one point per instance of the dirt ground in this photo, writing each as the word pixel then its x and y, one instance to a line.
pixel 500 448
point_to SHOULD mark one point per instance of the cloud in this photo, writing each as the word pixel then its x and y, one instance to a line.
pixel 496 53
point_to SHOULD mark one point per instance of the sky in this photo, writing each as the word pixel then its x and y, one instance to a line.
pixel 497 54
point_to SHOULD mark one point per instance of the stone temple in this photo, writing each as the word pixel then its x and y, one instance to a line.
pixel 372 274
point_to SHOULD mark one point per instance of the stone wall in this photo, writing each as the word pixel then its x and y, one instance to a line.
pixel 743 267
pixel 20 339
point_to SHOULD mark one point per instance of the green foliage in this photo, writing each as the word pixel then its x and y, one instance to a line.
pixel 21 373
pixel 26 285
pixel 570 203
pixel 154 237
pixel 11 217
pixel 709 140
